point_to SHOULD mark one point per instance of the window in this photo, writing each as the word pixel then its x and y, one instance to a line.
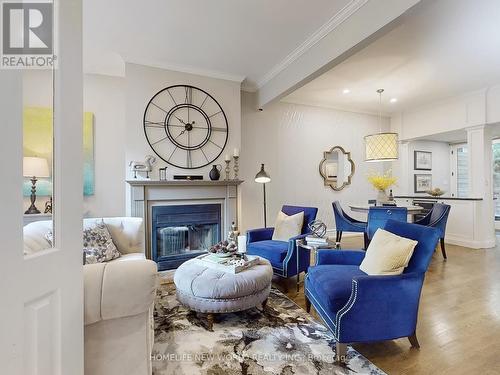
pixel 460 171
pixel 496 177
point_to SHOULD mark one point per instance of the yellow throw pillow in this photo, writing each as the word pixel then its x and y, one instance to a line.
pixel 387 254
pixel 287 227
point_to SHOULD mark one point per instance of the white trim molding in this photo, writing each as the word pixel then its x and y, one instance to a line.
pixel 352 7
pixel 187 69
pixel 472 244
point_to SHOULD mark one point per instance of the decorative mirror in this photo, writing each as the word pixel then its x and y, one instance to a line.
pixel 336 168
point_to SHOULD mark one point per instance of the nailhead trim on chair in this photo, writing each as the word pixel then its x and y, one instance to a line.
pixel 344 310
pixel 323 314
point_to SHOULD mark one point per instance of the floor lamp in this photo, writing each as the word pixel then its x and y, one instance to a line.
pixel 263 178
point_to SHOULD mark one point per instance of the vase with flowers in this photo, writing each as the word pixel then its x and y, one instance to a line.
pixel 382 182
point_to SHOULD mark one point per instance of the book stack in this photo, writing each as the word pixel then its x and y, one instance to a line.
pixel 319 241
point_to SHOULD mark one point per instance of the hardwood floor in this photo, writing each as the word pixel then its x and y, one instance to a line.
pixel 459 317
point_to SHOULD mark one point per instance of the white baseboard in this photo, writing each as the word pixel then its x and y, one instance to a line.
pixel 473 244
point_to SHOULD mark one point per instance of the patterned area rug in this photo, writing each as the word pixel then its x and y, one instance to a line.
pixel 282 339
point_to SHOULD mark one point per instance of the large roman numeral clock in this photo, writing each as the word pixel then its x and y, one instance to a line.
pixel 185 126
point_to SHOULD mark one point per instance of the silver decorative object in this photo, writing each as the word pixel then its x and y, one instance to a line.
pixel 318 228
pixel 227 169
pixel 142 166
pixel 232 236
pixel 236 167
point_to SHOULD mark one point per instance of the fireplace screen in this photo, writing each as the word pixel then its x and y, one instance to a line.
pixel 182 232
pixel 187 238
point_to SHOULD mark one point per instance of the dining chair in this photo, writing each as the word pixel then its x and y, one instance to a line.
pixel 437 218
pixel 378 216
pixel 345 223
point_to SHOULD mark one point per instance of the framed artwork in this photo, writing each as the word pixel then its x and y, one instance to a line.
pixel 423 183
pixel 422 160
pixel 37 141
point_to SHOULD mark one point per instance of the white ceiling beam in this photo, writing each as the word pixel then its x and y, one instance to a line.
pixel 338 39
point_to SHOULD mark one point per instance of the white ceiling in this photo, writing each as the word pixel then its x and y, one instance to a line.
pixel 232 39
pixel 440 49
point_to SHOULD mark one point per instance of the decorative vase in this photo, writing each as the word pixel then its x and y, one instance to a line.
pixel 382 197
pixel 215 172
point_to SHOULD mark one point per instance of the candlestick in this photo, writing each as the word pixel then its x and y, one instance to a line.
pixel 227 157
pixel 242 244
pixel 227 168
pixel 236 167
pixel 236 152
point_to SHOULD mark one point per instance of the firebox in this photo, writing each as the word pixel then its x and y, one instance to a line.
pixel 182 232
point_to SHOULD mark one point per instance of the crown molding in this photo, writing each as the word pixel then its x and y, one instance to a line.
pixel 313 103
pixel 248 86
pixel 352 7
pixel 187 69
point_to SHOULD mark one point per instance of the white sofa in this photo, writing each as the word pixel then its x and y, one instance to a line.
pixel 119 297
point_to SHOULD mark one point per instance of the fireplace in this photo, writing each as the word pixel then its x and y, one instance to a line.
pixel 182 232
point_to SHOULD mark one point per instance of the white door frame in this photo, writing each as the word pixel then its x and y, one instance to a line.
pixel 41 315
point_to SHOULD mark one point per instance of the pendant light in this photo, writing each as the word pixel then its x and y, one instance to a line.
pixel 381 146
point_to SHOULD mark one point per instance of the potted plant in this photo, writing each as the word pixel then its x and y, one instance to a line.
pixel 382 182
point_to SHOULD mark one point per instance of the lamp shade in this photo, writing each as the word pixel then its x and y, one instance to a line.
pixel 381 147
pixel 262 177
pixel 35 167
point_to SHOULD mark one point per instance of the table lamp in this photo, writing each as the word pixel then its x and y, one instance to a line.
pixel 263 178
pixel 34 168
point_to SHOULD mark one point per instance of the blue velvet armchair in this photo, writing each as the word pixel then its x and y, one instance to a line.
pixel 345 223
pixel 437 218
pixel 357 307
pixel 282 254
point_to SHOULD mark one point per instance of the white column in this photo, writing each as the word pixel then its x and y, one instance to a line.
pixel 480 183
pixel 401 170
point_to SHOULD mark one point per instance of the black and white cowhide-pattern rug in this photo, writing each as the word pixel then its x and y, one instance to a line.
pixel 282 339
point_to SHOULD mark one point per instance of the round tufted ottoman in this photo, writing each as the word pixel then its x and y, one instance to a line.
pixel 207 290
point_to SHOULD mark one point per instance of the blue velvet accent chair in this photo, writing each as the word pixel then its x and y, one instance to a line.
pixel 282 254
pixel 378 216
pixel 345 223
pixel 357 307
pixel 437 218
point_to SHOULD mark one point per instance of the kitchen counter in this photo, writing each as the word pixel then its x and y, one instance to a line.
pixel 464 222
pixel 437 198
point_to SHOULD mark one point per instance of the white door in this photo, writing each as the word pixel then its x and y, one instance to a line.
pixel 41 295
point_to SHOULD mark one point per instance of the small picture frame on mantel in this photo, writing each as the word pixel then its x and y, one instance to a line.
pixel 422 160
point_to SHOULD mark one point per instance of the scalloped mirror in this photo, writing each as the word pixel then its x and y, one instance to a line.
pixel 336 168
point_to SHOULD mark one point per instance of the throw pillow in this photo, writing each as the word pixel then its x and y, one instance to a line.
pixel 98 245
pixel 287 227
pixel 387 254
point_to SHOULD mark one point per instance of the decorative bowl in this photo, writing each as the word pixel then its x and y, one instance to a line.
pixel 436 192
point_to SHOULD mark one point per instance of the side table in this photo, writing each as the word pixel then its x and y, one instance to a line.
pixel 303 245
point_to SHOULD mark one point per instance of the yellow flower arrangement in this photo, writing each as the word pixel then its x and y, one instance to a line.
pixel 382 181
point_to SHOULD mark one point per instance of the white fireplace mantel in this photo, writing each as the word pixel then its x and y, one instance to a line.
pixel 145 194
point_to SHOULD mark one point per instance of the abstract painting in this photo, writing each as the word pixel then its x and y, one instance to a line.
pixel 38 141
